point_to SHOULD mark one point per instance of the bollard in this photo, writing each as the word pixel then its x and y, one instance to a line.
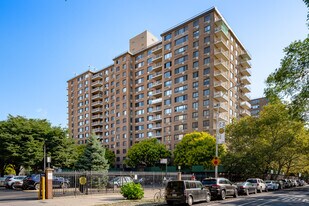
pixel 41 193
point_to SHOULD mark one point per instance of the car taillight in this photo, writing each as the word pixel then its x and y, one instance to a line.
pixel 242 187
pixel 257 184
pixel 215 186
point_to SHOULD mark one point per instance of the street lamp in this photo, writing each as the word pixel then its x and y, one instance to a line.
pixel 217 127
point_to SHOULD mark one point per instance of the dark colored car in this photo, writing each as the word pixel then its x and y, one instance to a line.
pixel 220 187
pixel 60 182
pixel 186 191
pixel 32 182
pixel 246 188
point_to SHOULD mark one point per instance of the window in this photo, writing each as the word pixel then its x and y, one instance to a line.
pixel 195 54
pixel 149 52
pixel 180 89
pixel 149 69
pixel 167 74
pixel 195 64
pixel 167 65
pixel 195 23
pixel 205 113
pixel 206 39
pixel 180 50
pixel 167 102
pixel 167 46
pixel 195 105
pixel 207 28
pixel 139 65
pixel 195 94
pixel 181 79
pixel 168 55
pixel 195 74
pixel 207 18
pixel 206 92
pixel 167 37
pixel 180 117
pixel 195 44
pixel 181 40
pixel 194 125
pixel 181 98
pixel 195 85
pixel 181 59
pixel 206 123
pixel 181 108
pixel 207 60
pixel 181 31
pixel 196 34
pixel 168 111
pixel 139 73
pixel 138 89
pixel 149 60
pixel 168 83
pixel 180 127
pixel 206 82
pixel 206 102
pixel 167 92
pixel 206 50
pixel 181 69
pixel 140 56
pixel 206 71
pixel 138 81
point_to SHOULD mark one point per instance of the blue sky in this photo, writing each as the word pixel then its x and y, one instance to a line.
pixel 43 43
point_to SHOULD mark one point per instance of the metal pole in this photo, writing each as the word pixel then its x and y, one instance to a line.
pixel 44 156
pixel 217 131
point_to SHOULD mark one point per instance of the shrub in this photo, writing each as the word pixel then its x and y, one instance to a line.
pixel 132 191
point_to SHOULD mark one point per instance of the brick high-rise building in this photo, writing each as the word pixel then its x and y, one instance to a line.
pixel 257 105
pixel 164 89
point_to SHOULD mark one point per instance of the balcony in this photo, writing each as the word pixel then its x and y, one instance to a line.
pixel 157 58
pixel 97 83
pixel 245 112
pixel 157 93
pixel 245 72
pixel 96 103
pixel 96 110
pixel 157 75
pixel 97 96
pixel 156 101
pixel 156 84
pixel 220 31
pixel 220 75
pixel 157 126
pixel 157 49
pixel 220 117
pixel 221 43
pixel 221 65
pixel 98 123
pixel 222 54
pixel 157 118
pixel 222 107
pixel 245 63
pixel 157 67
pixel 221 86
pixel 244 96
pixel 97 130
pixel 158 135
pixel 98 116
pixel 245 80
pixel 245 55
pixel 220 96
pixel 245 89
pixel 157 110
pixel 245 105
pixel 97 89
pixel 96 76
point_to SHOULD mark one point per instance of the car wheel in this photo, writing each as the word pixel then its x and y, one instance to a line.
pixel 255 191
pixel 222 195
pixel 260 190
pixel 235 193
pixel 190 200
pixel 266 189
pixel 37 186
pixel 169 202
pixel 13 186
pixel 208 197
pixel 247 192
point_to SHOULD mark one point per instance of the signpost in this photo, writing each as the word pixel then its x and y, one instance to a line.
pixel 215 161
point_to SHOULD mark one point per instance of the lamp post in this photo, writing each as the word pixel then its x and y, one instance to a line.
pixel 217 127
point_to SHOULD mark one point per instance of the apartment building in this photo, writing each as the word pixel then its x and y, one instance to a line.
pixel 196 75
pixel 257 105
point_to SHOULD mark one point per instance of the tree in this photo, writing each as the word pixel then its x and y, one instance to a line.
pixel 147 152
pixel 110 156
pixel 93 157
pixel 196 148
pixel 273 141
pixel 22 141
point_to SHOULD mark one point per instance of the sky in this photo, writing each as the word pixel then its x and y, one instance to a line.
pixel 44 43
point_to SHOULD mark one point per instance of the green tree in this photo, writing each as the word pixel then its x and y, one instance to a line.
pixel 147 152
pixel 22 141
pixel 272 141
pixel 93 157
pixel 110 156
pixel 196 148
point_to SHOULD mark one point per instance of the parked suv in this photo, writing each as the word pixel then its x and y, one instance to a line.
pixel 14 182
pixel 259 183
pixel 220 187
pixel 32 182
pixel 186 191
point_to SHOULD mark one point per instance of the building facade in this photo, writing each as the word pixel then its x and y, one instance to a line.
pixel 196 75
pixel 257 105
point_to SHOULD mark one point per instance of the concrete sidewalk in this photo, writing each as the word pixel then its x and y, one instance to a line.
pixel 87 200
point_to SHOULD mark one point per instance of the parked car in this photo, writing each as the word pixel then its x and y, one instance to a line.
pixel 259 183
pixel 271 185
pixel 119 181
pixel 246 188
pixel 32 182
pixel 14 182
pixel 281 184
pixel 60 182
pixel 186 191
pixel 2 181
pixel 220 187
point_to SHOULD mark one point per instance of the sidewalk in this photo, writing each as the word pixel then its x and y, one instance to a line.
pixel 109 199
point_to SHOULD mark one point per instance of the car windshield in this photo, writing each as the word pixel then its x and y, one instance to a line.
pixel 252 181
pixel 267 181
pixel 209 182
pixel 175 185
pixel 240 183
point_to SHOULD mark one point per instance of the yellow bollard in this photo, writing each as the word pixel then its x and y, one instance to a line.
pixel 41 193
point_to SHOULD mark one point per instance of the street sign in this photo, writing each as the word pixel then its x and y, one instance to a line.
pixel 163 161
pixel 221 135
pixel 215 161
